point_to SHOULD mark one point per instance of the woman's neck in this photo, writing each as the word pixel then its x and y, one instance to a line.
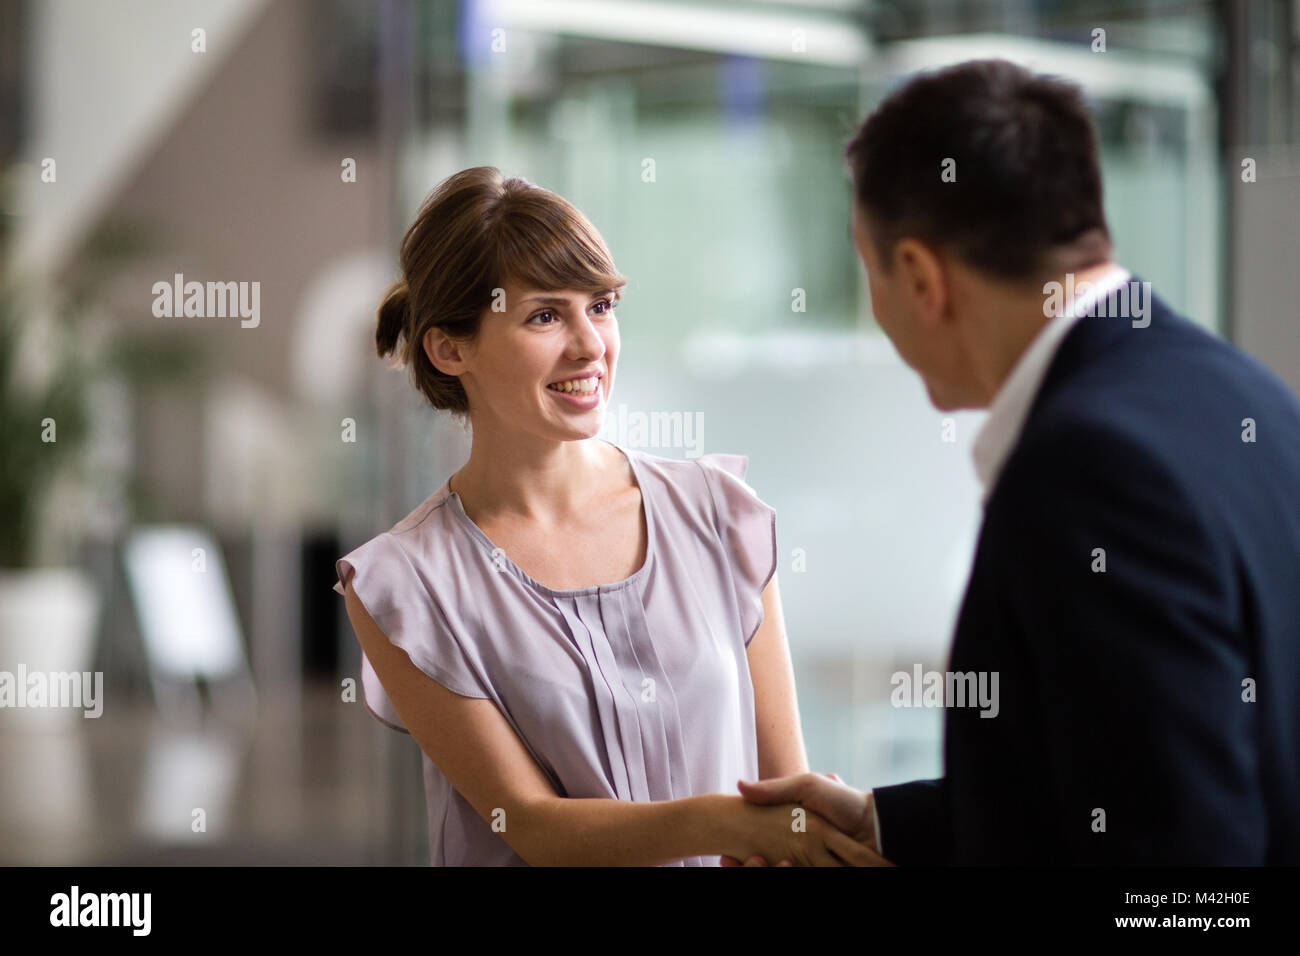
pixel 530 478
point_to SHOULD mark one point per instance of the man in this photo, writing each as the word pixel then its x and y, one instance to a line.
pixel 1136 585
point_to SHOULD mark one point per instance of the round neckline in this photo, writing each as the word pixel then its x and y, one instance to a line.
pixel 478 533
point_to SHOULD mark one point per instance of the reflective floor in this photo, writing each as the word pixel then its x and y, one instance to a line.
pixel 324 783
pixel 308 785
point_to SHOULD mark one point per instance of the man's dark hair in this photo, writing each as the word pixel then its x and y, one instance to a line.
pixel 1028 181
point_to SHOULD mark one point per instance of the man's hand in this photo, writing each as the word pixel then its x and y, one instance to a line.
pixel 851 811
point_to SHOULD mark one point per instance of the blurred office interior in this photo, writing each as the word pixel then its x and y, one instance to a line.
pixel 224 737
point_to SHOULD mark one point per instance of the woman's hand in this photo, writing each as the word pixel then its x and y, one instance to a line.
pixel 789 833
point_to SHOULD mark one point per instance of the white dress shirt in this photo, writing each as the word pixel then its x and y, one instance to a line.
pixel 1011 404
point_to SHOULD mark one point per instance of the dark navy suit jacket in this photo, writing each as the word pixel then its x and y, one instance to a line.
pixel 1149 713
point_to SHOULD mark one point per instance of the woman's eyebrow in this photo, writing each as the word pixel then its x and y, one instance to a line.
pixel 557 300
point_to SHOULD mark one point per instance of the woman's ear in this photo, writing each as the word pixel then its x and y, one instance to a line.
pixel 447 356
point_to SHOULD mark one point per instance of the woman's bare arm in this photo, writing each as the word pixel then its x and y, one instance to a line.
pixel 776 708
pixel 475 747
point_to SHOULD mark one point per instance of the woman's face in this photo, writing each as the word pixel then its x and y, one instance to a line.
pixel 539 342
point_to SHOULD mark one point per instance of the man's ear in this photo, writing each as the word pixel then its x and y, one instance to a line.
pixel 446 355
pixel 923 280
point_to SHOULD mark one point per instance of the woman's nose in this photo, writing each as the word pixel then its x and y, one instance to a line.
pixel 586 342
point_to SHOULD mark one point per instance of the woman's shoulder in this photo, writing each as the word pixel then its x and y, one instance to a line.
pixel 705 485
pixel 420 535
pixel 427 515
pixel 699 470
pixel 424 549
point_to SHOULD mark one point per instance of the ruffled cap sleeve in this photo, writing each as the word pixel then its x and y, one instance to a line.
pixel 404 608
pixel 747 527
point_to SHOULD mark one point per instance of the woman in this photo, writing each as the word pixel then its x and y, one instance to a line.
pixel 582 639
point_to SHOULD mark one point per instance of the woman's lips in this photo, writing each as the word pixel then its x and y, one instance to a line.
pixel 585 384
pixel 580 399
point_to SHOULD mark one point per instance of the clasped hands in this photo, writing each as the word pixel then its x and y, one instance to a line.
pixel 837 829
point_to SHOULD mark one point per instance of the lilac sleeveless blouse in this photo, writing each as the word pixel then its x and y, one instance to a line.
pixel 634 690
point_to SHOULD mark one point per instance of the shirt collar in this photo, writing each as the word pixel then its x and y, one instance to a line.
pixel 1010 406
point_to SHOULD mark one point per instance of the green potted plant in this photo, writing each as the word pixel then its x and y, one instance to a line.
pixel 52 357
pixel 48 610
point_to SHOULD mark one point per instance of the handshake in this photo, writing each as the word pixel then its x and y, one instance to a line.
pixel 807 819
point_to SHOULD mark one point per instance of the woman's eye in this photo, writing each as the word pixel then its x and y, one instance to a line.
pixel 549 317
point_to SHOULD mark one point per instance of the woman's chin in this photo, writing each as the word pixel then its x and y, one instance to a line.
pixel 581 427
pixel 593 430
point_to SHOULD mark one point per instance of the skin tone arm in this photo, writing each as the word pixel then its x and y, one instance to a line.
pixel 776 709
pixel 477 750
pixel 783 767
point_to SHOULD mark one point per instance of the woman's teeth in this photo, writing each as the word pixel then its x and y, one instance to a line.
pixel 584 386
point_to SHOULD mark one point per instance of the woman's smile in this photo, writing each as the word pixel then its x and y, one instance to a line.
pixel 583 392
